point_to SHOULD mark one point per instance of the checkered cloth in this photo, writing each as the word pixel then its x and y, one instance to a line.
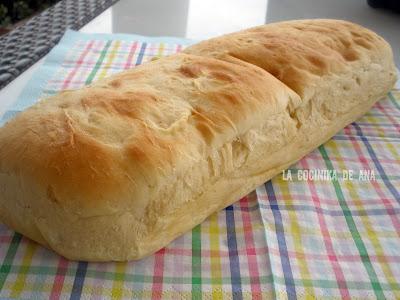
pixel 288 239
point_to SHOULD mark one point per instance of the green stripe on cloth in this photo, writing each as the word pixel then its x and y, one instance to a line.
pixel 353 229
pixel 196 262
pixel 96 68
pixel 393 100
pixel 8 260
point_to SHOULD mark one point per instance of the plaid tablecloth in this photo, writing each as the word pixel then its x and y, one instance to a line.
pixel 297 238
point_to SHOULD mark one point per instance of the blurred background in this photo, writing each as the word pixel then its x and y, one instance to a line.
pixel 201 19
pixel 15 12
pixel 30 28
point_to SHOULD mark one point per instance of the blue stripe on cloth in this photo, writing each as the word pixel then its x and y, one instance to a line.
pixel 280 233
pixel 374 124
pixel 78 281
pixel 141 54
pixel 337 213
pixel 233 253
pixel 378 165
pixel 370 138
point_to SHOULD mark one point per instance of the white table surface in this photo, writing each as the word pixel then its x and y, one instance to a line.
pixel 201 19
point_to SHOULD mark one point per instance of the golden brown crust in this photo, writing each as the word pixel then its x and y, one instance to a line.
pixel 299 52
pixel 89 134
pixel 98 173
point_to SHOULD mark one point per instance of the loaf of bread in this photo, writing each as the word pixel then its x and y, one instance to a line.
pixel 118 169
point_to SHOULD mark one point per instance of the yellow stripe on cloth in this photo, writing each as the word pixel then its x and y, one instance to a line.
pixel 19 284
pixel 215 259
pixel 160 50
pixel 371 234
pixel 111 57
pixel 118 282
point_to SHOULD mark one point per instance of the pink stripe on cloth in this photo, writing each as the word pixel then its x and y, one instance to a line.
pixel 342 258
pixel 341 281
pixel 132 51
pixel 250 249
pixel 59 278
pixel 157 288
pixel 222 252
pixel 351 159
pixel 5 239
pixel 78 63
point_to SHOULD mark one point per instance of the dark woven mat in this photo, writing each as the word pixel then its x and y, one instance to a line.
pixel 26 44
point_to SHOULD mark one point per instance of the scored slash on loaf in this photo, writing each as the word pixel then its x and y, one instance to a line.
pixel 118 169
